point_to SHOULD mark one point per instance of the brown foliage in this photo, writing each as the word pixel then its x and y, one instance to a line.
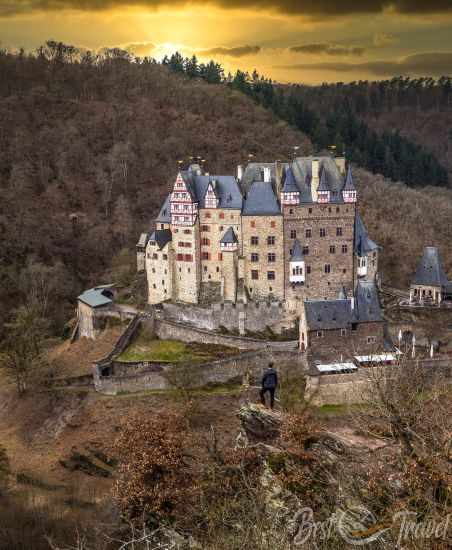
pixel 154 480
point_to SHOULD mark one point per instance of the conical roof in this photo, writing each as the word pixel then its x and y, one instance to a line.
pixel 297 252
pixel 349 185
pixel 290 184
pixel 229 237
pixel 323 185
pixel 430 271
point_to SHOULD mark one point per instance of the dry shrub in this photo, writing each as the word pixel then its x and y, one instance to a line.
pixel 154 479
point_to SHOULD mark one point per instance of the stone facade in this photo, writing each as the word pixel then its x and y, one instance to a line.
pixel 263 254
pixel 326 234
pixel 270 206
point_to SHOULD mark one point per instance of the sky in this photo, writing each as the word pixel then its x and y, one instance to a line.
pixel 309 41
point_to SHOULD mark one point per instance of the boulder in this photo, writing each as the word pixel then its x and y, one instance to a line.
pixel 260 424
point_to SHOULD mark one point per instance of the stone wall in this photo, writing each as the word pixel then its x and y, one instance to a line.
pixel 342 389
pixel 165 329
pixel 329 342
pixel 223 371
pixel 304 220
pixel 262 228
pixel 257 316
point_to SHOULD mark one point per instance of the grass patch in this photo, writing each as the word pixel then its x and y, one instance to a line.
pixel 174 351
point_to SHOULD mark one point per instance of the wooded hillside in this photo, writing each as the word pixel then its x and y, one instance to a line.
pixel 88 149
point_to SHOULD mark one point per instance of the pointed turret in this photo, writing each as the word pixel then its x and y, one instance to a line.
pixel 349 189
pixel 323 190
pixel 229 241
pixel 290 193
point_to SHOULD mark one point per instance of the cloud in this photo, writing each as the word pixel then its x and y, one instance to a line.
pixel 418 64
pixel 293 7
pixel 382 39
pixel 139 48
pixel 239 51
pixel 328 49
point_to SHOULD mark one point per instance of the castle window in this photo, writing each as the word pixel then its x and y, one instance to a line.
pixel 163 282
pixel 205 256
pixel 329 209
pixel 293 234
pixel 305 250
pixel 154 286
pixel 221 228
pixel 181 244
pixel 308 269
pixel 332 249
pixel 218 269
pixel 320 334
pixel 322 232
pixel 176 230
pixel 343 332
pixel 254 257
pixel 220 257
pixel 162 226
pixel 188 270
pixel 290 210
pixel 271 275
pixel 187 245
pixel 205 269
pixel 254 274
pixel 338 209
pixel 271 257
pixel 344 271
pixel 165 256
pixel 308 233
pixel 153 270
pixel 371 339
pixel 253 224
pixel 205 228
pixel 154 256
pixel 327 268
pixel 188 258
pixel 186 231
pixel 205 241
pixel 271 240
pixel 344 249
pixel 208 215
pixel 221 216
pixel 338 231
pixel 272 224
pixel 270 288
pixel 254 241
pixel 310 210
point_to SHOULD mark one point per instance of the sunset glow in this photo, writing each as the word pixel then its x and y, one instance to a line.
pixel 288 41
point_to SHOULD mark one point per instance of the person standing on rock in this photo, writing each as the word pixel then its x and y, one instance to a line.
pixel 269 384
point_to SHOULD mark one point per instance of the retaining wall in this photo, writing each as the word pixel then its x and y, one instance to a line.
pixel 340 389
pixel 253 316
pixel 165 329
pixel 153 376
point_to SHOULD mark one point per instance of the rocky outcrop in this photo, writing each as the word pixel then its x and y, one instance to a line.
pixel 260 424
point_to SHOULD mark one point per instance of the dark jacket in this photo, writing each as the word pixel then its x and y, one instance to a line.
pixel 270 379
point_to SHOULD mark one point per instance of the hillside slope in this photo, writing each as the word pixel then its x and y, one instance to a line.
pixel 87 152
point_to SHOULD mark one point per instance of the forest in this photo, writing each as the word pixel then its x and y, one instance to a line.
pixel 90 143
pixel 334 116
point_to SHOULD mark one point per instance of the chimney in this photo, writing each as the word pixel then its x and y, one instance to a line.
pixel 278 177
pixel 240 172
pixel 315 169
pixel 267 174
pixel 340 163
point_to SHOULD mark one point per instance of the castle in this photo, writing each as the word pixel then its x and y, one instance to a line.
pixel 285 232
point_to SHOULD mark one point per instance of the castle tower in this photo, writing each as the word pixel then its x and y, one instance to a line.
pixel 229 250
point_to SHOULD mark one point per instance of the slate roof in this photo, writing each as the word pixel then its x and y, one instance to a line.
pixel 290 185
pixel 323 184
pixel 349 184
pixel 226 189
pixel 297 252
pixel 336 314
pixel 261 200
pixel 363 243
pixel 430 271
pixel 162 237
pixel 229 237
pixel 165 212
pixel 96 297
